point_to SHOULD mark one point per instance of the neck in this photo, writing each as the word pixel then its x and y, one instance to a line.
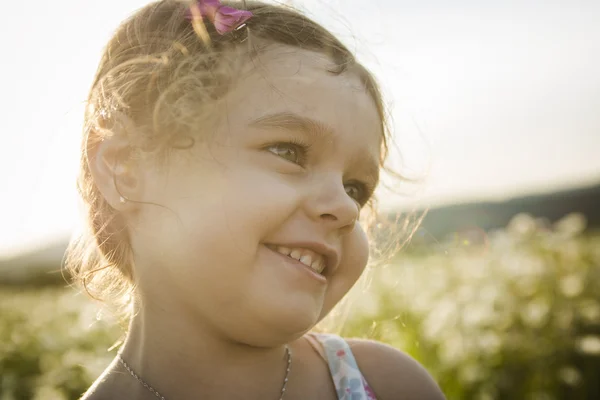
pixel 182 359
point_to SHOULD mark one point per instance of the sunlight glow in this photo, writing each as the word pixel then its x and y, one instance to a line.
pixel 489 100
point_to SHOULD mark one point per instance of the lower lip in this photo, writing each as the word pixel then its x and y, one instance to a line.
pixel 297 264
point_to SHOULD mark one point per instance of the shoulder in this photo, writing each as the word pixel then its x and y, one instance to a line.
pixel 393 374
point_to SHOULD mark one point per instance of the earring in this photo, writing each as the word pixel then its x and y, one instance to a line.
pixel 122 200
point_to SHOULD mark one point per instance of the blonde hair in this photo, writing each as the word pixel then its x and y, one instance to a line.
pixel 158 74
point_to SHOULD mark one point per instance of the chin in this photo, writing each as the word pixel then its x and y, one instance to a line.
pixel 299 323
pixel 285 323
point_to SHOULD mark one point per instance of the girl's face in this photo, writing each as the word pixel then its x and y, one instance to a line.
pixel 288 168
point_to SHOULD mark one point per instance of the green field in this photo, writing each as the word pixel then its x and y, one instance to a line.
pixel 512 315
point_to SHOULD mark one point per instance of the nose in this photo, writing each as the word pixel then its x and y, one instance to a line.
pixel 329 204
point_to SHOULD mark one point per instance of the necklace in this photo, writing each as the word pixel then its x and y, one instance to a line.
pixel 160 396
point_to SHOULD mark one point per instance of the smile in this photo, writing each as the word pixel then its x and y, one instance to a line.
pixel 309 258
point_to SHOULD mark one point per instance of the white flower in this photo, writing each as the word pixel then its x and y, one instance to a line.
pixel 589 344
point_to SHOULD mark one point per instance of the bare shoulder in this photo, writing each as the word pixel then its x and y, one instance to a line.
pixel 393 374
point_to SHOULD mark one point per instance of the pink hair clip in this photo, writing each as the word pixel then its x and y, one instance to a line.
pixel 224 18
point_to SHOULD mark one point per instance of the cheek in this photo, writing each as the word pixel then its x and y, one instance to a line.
pixel 253 206
pixel 354 261
pixel 229 216
pixel 356 253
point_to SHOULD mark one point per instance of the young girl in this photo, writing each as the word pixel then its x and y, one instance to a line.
pixel 227 154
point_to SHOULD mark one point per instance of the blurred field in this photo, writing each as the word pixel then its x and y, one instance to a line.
pixel 513 314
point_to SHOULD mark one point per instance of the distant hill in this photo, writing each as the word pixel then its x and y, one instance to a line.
pixel 442 221
pixel 40 266
pixel 43 265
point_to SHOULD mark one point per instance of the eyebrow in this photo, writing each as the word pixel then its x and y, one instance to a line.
pixel 294 122
pixel 316 129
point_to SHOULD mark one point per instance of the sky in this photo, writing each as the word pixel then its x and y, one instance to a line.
pixel 489 99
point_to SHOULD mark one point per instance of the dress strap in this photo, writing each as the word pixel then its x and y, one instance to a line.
pixel 347 378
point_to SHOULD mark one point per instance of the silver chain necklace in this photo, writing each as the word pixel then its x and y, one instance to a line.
pixel 160 396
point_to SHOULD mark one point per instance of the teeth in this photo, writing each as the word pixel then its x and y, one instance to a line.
pixel 306 260
pixel 284 250
pixel 306 257
pixel 318 265
pixel 296 254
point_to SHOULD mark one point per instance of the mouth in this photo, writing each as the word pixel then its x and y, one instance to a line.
pixel 311 259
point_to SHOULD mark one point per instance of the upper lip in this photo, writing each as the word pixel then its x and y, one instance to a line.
pixel 329 253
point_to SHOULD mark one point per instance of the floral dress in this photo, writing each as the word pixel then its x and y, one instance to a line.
pixel 347 378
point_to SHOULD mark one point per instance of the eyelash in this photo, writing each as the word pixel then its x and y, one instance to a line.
pixel 365 189
pixel 296 144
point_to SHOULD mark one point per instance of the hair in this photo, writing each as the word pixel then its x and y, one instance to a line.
pixel 159 75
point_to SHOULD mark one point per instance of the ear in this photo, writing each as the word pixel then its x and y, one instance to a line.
pixel 115 173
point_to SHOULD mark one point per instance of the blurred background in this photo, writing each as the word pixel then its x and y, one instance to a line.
pixel 495 108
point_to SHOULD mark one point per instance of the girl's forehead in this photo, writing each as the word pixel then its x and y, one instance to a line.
pixel 288 80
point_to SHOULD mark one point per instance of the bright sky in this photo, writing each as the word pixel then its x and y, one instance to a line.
pixel 492 98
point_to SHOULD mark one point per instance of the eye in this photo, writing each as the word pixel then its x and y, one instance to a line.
pixel 358 191
pixel 292 152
